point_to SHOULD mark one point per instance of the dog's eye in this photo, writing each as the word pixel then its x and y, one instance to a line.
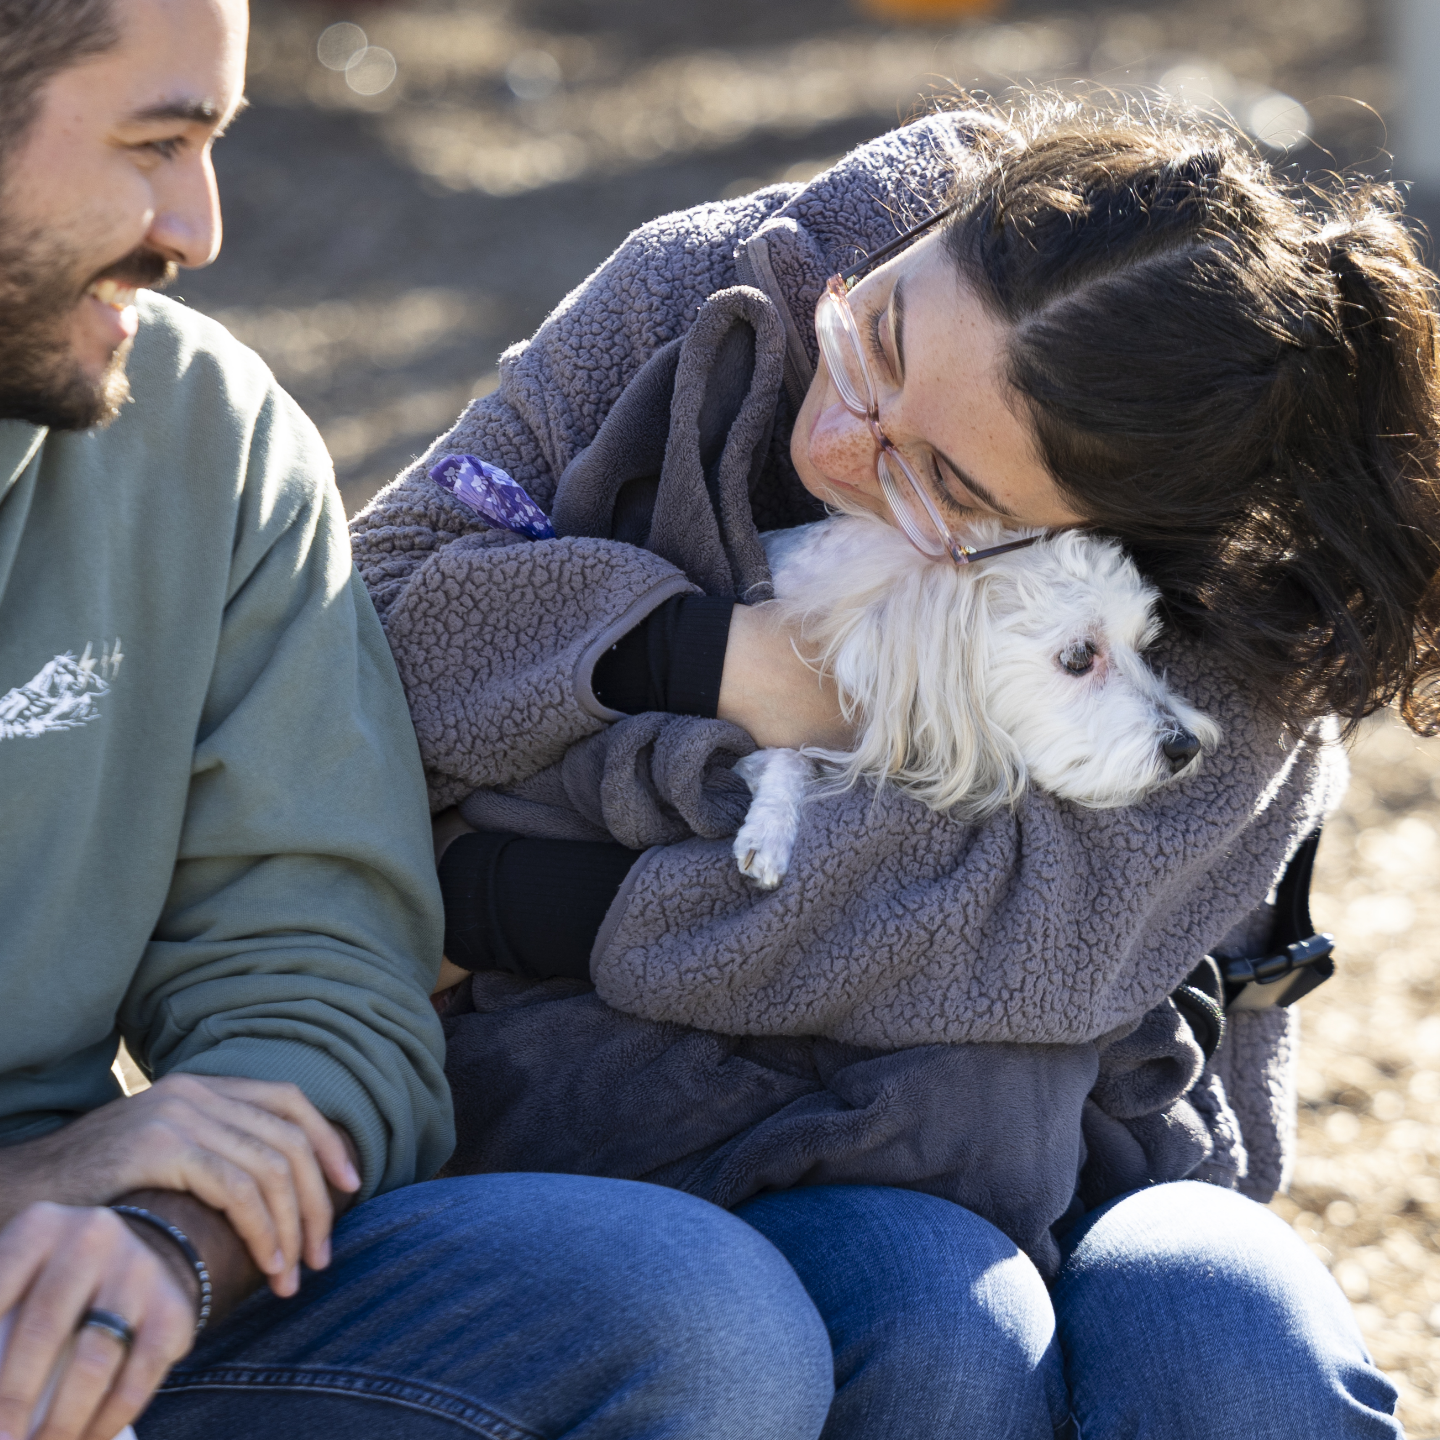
pixel 1079 659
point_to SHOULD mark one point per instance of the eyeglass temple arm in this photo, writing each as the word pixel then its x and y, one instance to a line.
pixel 879 256
pixel 970 556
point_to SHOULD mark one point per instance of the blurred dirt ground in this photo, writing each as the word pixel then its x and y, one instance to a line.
pixel 392 226
pixel 382 248
pixel 1365 1193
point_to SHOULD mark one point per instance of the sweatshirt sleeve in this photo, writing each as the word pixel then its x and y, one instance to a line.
pixel 496 640
pixel 302 931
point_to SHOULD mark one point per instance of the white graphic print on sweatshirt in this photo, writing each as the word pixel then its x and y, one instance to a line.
pixel 62 696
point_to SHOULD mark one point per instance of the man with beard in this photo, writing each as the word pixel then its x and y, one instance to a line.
pixel 216 845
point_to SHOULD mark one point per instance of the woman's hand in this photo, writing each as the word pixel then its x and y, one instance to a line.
pixel 769 689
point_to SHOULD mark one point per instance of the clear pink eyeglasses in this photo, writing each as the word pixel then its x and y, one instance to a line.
pixel 909 500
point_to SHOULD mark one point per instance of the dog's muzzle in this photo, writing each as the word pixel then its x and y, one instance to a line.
pixel 1179 748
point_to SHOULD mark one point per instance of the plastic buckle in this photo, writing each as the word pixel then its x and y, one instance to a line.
pixel 1279 979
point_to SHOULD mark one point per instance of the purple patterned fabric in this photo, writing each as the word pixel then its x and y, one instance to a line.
pixel 492 494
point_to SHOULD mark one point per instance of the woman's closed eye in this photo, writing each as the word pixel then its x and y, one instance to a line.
pixel 929 470
pixel 950 493
pixel 877 348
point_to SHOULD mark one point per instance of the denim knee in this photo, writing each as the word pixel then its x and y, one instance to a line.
pixel 687 1300
pixel 538 1305
pixel 938 1323
pixel 1191 1313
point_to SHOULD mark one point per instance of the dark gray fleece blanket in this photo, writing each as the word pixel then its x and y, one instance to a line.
pixel 974 1009
pixel 548 1077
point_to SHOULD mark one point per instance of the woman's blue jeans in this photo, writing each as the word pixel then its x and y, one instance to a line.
pixel 536 1307
pixel 1183 1312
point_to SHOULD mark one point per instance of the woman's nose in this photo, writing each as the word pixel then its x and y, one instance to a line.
pixel 842 446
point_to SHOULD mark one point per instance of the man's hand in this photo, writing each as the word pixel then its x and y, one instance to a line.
pixel 257 1152
pixel 249 1170
pixel 57 1262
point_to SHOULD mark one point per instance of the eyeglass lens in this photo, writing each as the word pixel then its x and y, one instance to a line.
pixel 844 351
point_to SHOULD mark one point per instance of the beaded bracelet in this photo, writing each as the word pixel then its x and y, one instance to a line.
pixel 191 1254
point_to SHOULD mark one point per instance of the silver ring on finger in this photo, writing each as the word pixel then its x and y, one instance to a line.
pixel 110 1323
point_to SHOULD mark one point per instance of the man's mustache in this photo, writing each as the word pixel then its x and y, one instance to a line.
pixel 142 268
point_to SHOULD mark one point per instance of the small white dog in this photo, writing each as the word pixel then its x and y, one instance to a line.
pixel 965 683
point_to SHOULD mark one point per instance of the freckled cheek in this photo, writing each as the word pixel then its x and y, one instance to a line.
pixel 841 446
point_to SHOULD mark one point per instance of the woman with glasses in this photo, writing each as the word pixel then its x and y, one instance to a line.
pixel 1060 315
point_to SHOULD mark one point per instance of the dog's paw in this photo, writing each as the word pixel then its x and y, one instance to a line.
pixel 760 857
pixel 777 780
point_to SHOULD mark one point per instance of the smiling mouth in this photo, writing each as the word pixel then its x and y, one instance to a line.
pixel 113 294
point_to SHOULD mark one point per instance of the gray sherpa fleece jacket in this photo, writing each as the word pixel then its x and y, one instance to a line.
pixel 646 412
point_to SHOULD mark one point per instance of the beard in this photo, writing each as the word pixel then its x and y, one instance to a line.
pixel 41 380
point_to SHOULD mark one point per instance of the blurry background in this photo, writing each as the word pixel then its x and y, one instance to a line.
pixel 420 181
pixel 417 191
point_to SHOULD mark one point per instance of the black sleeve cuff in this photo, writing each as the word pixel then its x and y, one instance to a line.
pixel 467 880
pixel 531 907
pixel 671 662
pixel 697 655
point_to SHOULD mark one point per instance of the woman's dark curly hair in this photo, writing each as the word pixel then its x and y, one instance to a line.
pixel 1236 379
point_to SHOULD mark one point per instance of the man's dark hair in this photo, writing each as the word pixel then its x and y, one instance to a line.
pixel 38 39
pixel 1237 380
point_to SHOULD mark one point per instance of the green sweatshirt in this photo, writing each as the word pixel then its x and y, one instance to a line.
pixel 214 837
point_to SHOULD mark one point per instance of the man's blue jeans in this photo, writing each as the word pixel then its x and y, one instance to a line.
pixel 1184 1312
pixel 519 1306
pixel 513 1307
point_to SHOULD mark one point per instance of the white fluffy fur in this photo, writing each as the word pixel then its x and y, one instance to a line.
pixel 953 676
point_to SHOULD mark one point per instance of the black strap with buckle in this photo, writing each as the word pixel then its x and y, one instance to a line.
pixel 1297 960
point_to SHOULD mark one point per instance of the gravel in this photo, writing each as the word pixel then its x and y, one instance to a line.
pixel 1365 1194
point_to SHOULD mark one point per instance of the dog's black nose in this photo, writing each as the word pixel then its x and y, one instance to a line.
pixel 1179 747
